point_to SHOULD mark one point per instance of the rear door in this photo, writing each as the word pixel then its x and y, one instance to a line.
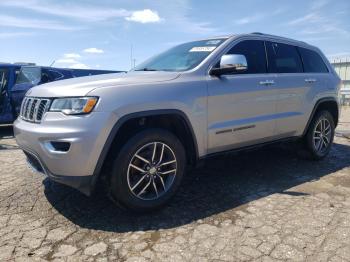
pixel 241 106
pixel 315 70
pixel 284 60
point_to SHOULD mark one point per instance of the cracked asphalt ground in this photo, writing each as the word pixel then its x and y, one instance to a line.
pixel 264 205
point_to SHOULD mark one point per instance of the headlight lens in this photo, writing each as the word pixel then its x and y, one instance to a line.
pixel 74 105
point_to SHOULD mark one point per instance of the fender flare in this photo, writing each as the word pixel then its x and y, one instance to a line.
pixel 107 146
pixel 320 101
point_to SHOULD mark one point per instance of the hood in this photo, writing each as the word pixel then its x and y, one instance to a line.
pixel 80 86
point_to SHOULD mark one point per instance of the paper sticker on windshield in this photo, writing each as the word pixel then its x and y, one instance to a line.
pixel 202 48
pixel 213 42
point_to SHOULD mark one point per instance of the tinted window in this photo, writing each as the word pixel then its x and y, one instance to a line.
pixel 45 77
pixel 30 75
pixel 3 86
pixel 254 51
pixel 312 61
pixel 3 79
pixel 283 58
pixel 55 75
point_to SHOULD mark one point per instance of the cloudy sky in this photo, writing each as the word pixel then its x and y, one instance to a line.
pixel 100 33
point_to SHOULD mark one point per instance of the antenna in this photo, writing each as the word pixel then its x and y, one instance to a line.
pixel 53 62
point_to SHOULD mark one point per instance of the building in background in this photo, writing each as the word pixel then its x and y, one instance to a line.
pixel 342 67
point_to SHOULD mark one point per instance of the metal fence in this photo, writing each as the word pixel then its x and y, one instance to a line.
pixel 342 67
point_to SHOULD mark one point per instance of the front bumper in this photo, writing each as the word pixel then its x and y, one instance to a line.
pixel 85 135
pixel 82 183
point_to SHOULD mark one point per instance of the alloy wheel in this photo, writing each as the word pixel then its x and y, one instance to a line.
pixel 322 135
pixel 151 171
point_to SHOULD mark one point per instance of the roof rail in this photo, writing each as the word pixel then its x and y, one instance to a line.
pixel 24 63
pixel 281 37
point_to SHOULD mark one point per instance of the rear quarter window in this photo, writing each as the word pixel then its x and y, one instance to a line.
pixel 55 75
pixel 313 63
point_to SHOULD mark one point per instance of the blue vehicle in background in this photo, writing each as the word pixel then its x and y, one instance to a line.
pixel 17 79
pixel 8 76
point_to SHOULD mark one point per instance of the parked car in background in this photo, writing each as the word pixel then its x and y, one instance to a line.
pixel 8 75
pixel 17 79
pixel 136 132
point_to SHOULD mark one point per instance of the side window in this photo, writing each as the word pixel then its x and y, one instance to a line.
pixel 312 61
pixel 55 75
pixel 16 74
pixel 45 77
pixel 283 58
pixel 254 51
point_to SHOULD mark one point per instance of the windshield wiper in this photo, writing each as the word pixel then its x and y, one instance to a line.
pixel 146 69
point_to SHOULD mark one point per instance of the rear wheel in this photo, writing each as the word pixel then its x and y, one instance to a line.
pixel 148 170
pixel 320 135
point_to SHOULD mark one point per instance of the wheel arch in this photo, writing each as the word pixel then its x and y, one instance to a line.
pixel 140 116
pixel 326 103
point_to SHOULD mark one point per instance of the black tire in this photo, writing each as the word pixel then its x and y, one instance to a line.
pixel 121 191
pixel 311 148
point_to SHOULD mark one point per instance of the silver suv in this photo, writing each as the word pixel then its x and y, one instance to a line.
pixel 136 132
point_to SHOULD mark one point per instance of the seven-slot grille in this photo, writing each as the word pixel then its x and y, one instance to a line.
pixel 33 109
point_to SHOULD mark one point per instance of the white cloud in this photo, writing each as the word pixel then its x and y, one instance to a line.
pixel 309 18
pixel 71 60
pixel 318 4
pixel 93 50
pixel 249 19
pixel 316 24
pixel 11 21
pixel 325 29
pixel 79 66
pixel 71 55
pixel 144 16
pixel 86 12
pixel 258 17
pixel 66 61
pixel 7 35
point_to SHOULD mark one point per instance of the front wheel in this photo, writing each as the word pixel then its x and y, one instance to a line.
pixel 320 135
pixel 148 170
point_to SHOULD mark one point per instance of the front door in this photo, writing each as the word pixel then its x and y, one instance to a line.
pixel 241 107
pixel 5 105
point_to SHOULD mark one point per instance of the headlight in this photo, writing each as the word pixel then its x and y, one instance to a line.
pixel 74 105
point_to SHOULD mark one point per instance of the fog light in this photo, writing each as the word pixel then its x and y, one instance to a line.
pixel 60 146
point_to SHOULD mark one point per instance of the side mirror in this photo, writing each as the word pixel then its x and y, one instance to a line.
pixel 230 64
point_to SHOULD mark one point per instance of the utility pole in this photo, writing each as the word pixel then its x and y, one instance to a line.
pixel 131 58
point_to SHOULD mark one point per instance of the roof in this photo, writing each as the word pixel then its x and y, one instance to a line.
pixel 9 65
pixel 281 38
pixel 72 69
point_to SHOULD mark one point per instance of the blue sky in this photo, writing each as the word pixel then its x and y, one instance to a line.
pixel 99 34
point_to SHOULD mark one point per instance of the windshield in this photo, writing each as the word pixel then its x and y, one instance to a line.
pixel 29 75
pixel 182 57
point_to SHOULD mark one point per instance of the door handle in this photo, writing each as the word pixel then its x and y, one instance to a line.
pixel 310 80
pixel 267 83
